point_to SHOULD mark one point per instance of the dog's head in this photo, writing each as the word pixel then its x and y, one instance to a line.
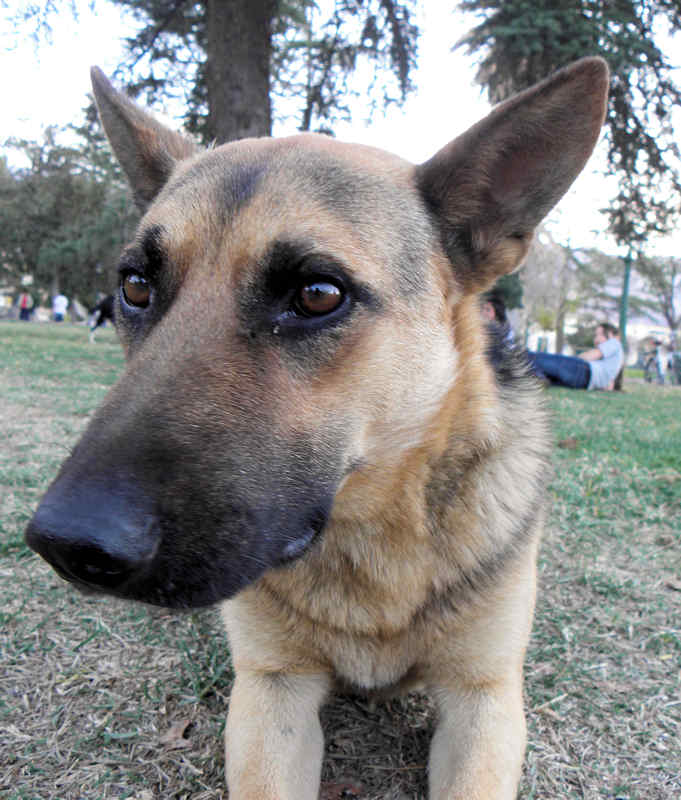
pixel 289 313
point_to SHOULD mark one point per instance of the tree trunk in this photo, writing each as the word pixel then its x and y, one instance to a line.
pixel 238 50
pixel 560 328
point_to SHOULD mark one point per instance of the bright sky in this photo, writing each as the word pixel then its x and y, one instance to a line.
pixel 48 85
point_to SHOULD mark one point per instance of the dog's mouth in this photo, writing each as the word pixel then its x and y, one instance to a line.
pixel 165 545
pixel 164 578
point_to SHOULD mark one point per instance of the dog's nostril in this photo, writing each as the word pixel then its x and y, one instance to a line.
pixel 94 570
pixel 88 564
pixel 99 568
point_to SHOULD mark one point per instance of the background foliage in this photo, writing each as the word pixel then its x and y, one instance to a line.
pixel 64 217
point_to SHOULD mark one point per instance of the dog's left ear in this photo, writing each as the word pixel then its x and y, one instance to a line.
pixel 492 186
pixel 146 150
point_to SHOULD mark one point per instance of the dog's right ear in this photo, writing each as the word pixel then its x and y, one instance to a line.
pixel 146 150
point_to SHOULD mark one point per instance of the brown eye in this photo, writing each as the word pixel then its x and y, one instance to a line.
pixel 136 290
pixel 318 298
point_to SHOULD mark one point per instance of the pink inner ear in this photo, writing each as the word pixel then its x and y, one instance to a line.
pixel 530 155
pixel 529 178
pixel 513 177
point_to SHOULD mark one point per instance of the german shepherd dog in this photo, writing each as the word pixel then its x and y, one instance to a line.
pixel 314 431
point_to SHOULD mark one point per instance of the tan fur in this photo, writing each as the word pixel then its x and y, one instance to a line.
pixel 424 572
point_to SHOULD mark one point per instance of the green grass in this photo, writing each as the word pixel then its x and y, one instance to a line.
pixel 605 657
pixel 51 380
pixel 90 686
pixel 92 683
pixel 632 372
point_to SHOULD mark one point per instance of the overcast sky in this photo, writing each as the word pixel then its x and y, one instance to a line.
pixel 48 85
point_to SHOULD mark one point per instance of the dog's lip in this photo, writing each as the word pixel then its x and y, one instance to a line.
pixel 296 547
pixel 299 544
pixel 79 583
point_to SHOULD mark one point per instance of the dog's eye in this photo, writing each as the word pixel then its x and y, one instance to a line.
pixel 316 298
pixel 136 290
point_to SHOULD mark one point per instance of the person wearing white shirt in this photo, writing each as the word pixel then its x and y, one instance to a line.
pixel 59 305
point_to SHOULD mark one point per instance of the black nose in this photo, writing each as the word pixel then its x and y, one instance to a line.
pixel 105 539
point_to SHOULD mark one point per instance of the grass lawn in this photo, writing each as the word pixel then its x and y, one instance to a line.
pixel 104 699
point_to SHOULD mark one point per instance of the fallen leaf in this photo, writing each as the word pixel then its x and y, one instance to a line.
pixel 569 443
pixel 669 476
pixel 174 738
pixel 549 712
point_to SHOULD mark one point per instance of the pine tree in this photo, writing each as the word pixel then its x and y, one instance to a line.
pixel 240 63
pixel 520 42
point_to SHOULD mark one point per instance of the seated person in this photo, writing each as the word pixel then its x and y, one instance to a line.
pixel 595 369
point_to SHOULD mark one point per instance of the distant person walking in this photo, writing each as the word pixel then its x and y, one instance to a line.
pixel 660 365
pixel 25 306
pixel 595 369
pixel 59 305
pixel 103 311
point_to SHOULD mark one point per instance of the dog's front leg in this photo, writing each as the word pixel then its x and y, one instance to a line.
pixel 273 740
pixel 478 747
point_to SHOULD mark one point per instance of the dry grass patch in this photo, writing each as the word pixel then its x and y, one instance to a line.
pixel 105 699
